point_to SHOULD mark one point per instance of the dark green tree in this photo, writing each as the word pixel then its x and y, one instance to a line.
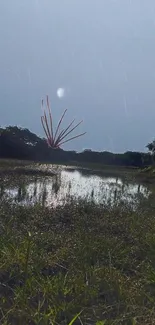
pixel 151 147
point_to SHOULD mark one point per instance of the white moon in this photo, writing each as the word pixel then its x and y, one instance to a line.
pixel 60 92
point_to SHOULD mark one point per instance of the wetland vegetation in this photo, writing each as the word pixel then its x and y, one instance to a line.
pixel 75 245
pixel 77 236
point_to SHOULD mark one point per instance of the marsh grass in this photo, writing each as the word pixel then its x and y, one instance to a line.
pixel 6 164
pixel 13 162
pixel 21 168
pixel 98 261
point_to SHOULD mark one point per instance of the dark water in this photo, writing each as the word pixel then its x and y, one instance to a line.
pixel 67 185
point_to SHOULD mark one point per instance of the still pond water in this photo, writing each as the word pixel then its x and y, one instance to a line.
pixel 69 185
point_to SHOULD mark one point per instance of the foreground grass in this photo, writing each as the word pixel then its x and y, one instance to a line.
pixel 80 258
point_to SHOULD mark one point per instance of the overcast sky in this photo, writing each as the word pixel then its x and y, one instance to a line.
pixel 101 51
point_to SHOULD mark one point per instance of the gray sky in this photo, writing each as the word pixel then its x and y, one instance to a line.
pixel 101 51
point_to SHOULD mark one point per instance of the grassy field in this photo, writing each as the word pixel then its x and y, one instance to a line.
pixel 4 163
pixel 79 258
pixel 79 263
pixel 23 165
pixel 144 176
pixel 15 163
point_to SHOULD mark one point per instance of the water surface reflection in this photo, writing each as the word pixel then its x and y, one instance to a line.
pixel 68 185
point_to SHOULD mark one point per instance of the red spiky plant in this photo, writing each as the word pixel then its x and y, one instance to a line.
pixel 57 138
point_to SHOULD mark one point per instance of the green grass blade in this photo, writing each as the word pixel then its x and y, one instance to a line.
pixel 74 319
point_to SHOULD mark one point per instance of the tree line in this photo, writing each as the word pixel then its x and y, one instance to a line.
pixel 18 143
